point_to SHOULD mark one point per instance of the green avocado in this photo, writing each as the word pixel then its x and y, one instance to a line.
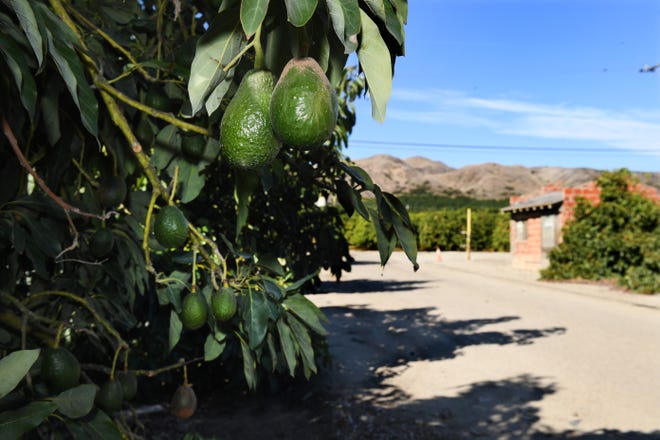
pixel 303 109
pixel 247 139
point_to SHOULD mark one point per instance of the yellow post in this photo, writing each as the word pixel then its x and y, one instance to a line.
pixel 468 233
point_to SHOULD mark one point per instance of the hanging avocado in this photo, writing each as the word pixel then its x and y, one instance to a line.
pixel 303 109
pixel 247 139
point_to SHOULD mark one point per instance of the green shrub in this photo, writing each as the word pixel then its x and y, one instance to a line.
pixel 616 239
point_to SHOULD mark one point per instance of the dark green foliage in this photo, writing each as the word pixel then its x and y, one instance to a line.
pixel 421 200
pixel 616 239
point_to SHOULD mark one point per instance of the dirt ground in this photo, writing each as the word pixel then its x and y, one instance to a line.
pixel 357 396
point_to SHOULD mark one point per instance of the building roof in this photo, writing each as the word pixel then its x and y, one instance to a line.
pixel 547 200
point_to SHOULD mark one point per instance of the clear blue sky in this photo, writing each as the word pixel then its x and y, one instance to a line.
pixel 523 82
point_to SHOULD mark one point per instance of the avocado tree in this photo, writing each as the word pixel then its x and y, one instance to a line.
pixel 140 231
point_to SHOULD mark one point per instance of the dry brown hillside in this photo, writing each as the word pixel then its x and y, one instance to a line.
pixel 484 181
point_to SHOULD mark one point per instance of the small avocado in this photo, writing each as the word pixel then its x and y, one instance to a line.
pixel 247 139
pixel 303 109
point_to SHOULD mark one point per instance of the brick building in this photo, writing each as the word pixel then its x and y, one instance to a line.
pixel 537 219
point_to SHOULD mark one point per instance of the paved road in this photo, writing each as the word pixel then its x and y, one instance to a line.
pixel 491 352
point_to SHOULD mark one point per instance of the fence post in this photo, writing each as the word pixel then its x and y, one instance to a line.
pixel 468 233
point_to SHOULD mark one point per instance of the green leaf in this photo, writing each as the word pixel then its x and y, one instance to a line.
pixel 214 99
pixel 76 402
pixel 359 175
pixel 407 240
pixel 14 367
pixel 272 287
pixel 300 11
pixel 99 427
pixel 385 240
pixel 168 141
pixel 343 191
pixel 221 42
pixel 318 32
pixel 301 335
pixel 175 330
pixel 277 50
pixel 61 42
pixel 398 207
pixel 246 184
pixel 345 16
pixel 288 345
pixel 300 282
pixel 213 348
pixel 256 317
pixel 375 61
pixel 15 59
pixel 272 350
pixel 270 262
pixel 50 102
pixel 28 22
pixel 307 312
pixel 401 7
pixel 394 24
pixel 249 365
pixel 377 7
pixel 359 204
pixel 13 424
pixel 252 15
pixel 191 180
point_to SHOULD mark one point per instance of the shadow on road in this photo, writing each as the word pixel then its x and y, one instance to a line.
pixel 366 342
pixel 503 410
pixel 369 346
pixel 370 285
pixel 352 399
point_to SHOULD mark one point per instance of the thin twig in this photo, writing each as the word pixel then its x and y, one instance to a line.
pixel 66 207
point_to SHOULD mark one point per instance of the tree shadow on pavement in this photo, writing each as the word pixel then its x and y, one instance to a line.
pixel 352 399
pixel 503 409
pixel 369 346
pixel 369 285
pixel 365 343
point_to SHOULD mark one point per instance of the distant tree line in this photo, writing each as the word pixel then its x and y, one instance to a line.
pixel 442 228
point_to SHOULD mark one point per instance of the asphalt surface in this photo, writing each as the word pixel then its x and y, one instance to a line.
pixel 480 350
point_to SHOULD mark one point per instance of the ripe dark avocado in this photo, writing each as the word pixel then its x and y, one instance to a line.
pixel 111 192
pixel 184 402
pixel 60 369
pixel 303 109
pixel 247 139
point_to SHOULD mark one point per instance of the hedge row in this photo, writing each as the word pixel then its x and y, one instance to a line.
pixel 444 229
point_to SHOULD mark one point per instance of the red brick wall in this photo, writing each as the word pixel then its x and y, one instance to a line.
pixel 591 192
pixel 527 254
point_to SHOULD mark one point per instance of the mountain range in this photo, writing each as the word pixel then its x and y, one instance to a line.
pixel 483 181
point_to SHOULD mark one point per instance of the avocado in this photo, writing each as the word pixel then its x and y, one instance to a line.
pixel 247 139
pixel 303 109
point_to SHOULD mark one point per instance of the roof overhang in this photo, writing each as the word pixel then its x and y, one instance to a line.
pixel 542 202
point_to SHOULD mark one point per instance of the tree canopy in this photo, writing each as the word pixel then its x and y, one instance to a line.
pixel 103 102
